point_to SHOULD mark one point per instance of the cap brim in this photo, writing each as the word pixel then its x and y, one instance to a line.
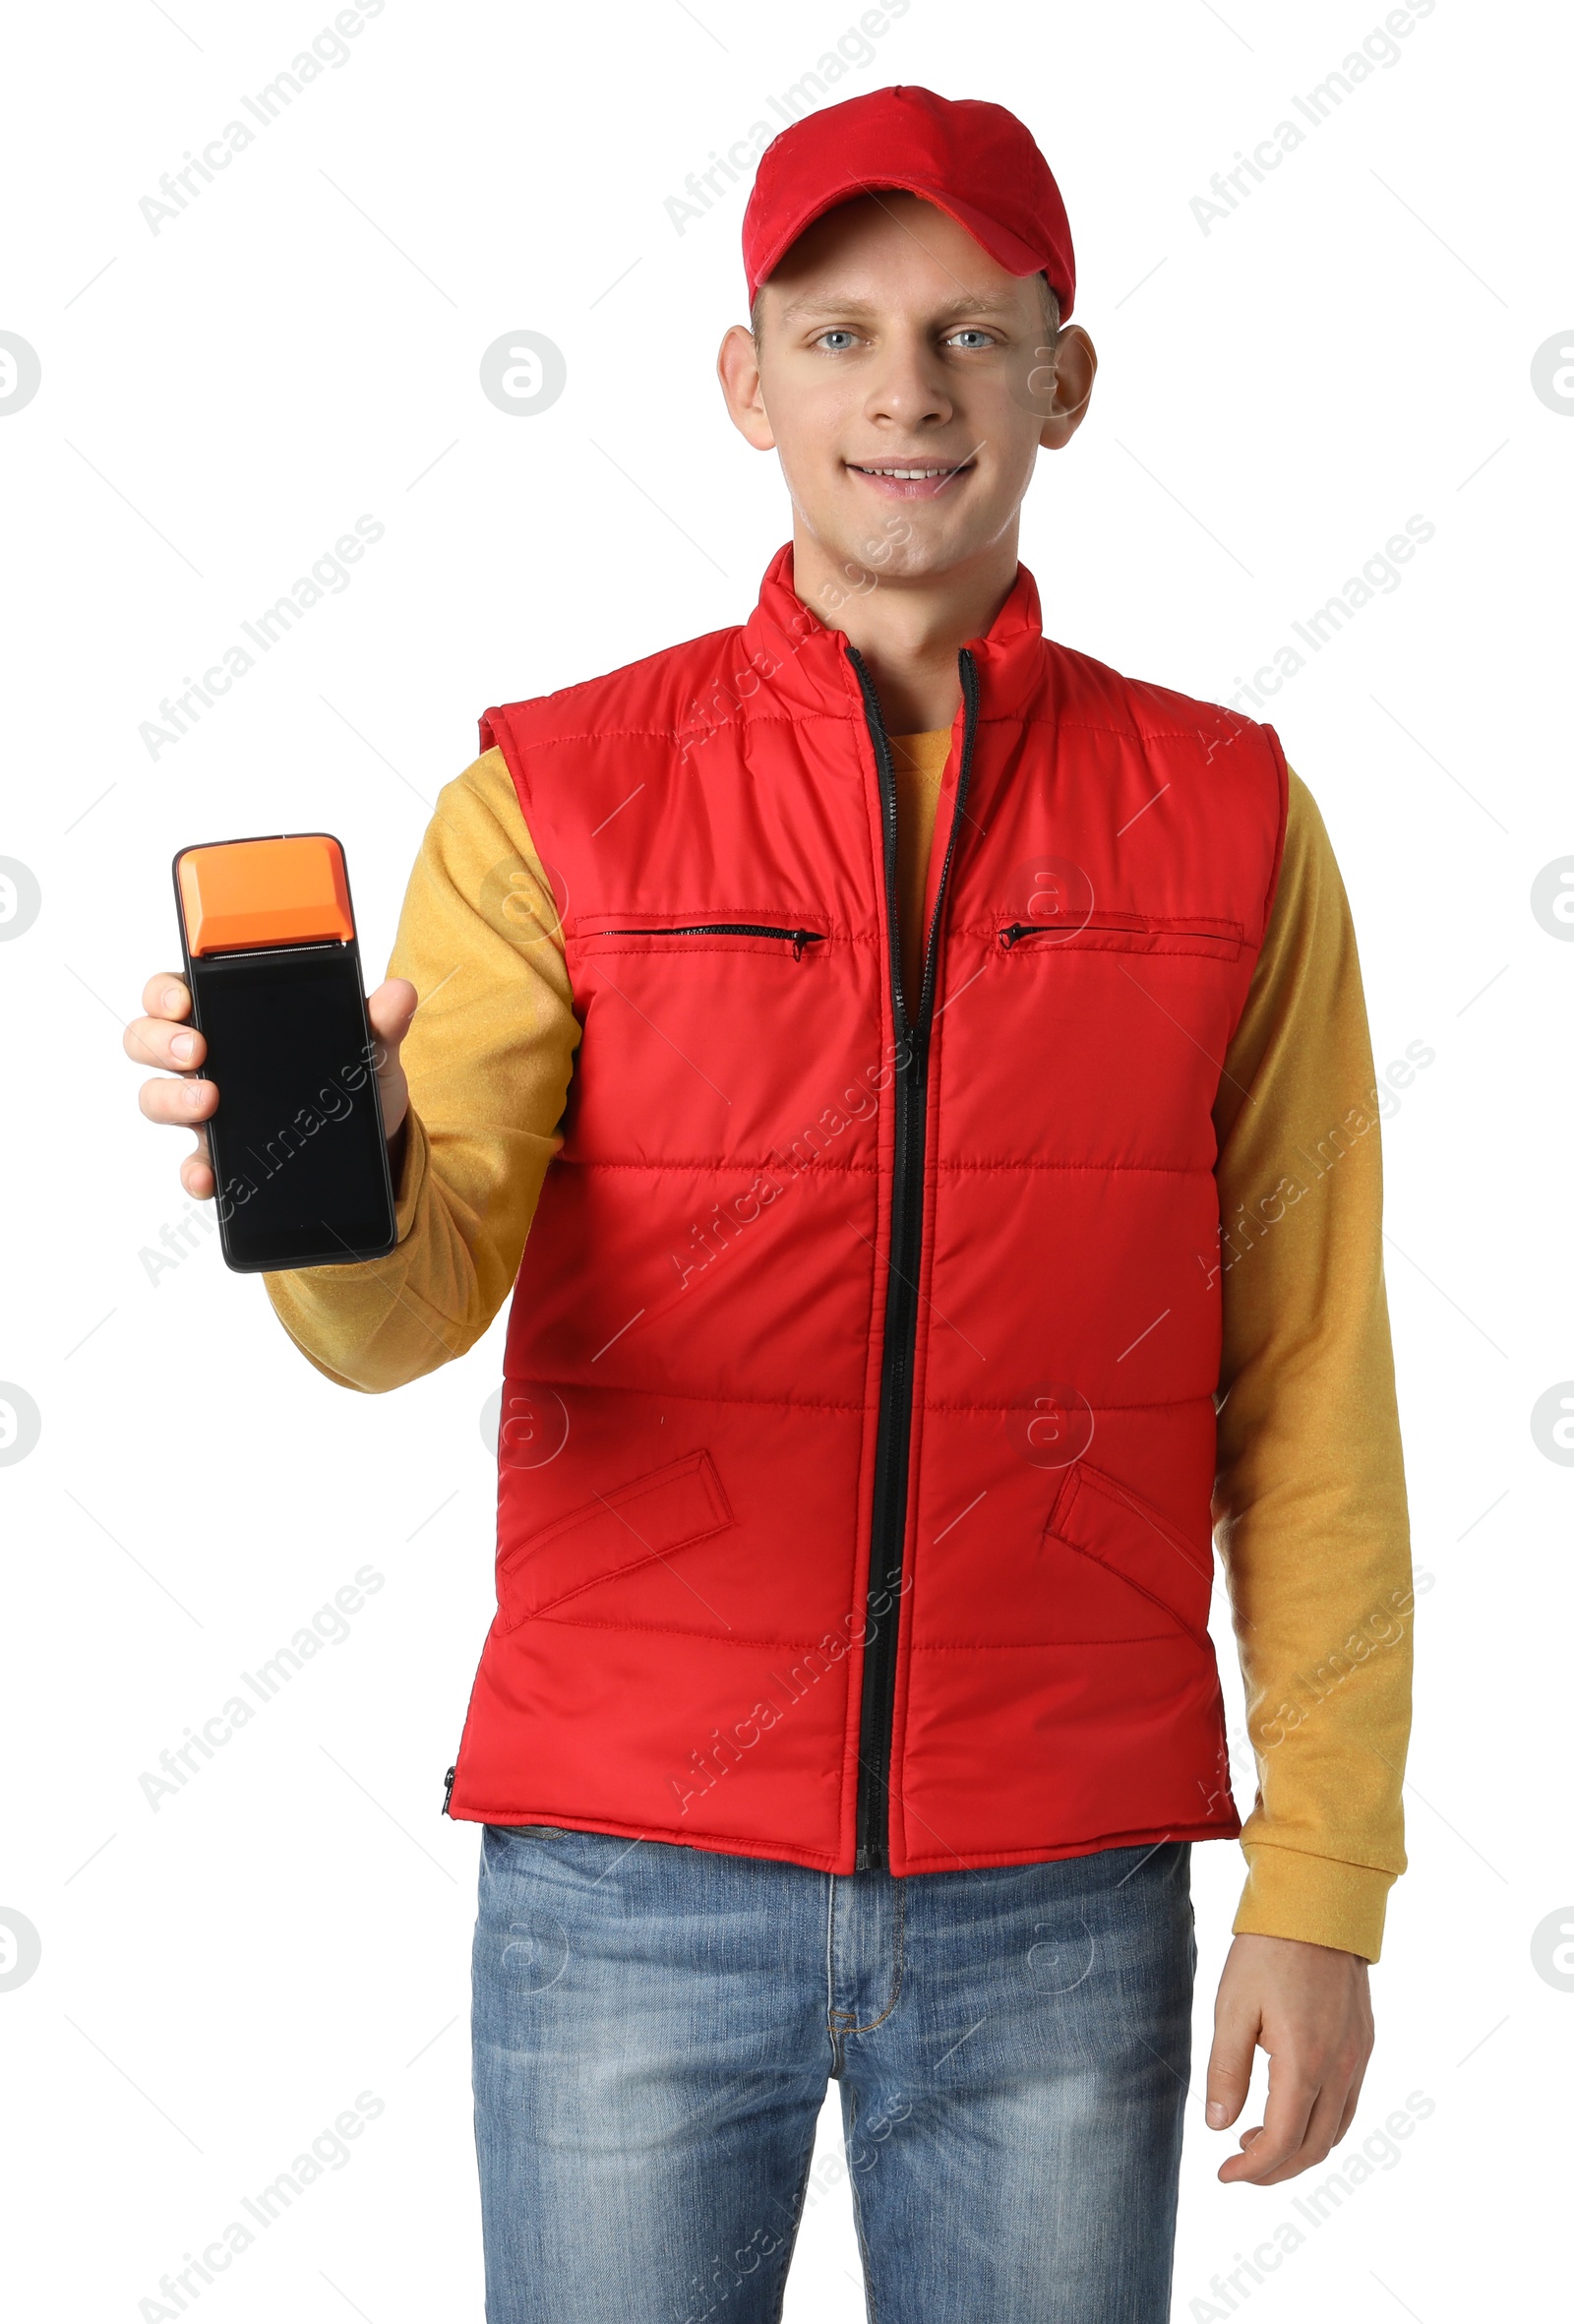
pixel 1005 248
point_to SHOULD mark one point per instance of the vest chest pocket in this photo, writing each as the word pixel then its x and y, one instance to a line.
pixel 779 939
pixel 1197 939
pixel 1101 1518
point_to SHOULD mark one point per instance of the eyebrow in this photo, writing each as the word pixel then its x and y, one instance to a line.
pixel 984 303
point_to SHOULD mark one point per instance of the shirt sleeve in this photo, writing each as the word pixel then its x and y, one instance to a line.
pixel 489 1057
pixel 1309 1500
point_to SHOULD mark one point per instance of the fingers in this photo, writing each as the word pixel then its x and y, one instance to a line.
pixel 158 1041
pixel 1308 2114
pixel 1273 2151
pixel 390 1009
pixel 162 1037
pixel 1235 2046
pixel 165 995
pixel 1309 2007
pixel 158 1037
pixel 189 1102
pixel 197 1171
pixel 1330 2118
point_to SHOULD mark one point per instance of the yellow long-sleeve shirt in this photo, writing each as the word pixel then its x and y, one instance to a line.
pixel 1310 1502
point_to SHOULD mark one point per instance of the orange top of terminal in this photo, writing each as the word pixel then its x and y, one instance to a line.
pixel 250 893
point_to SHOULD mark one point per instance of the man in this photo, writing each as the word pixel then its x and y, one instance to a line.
pixel 928 1244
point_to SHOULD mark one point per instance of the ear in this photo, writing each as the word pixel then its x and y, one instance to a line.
pixel 737 369
pixel 1075 362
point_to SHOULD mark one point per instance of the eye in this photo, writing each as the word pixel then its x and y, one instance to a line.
pixel 971 333
pixel 835 332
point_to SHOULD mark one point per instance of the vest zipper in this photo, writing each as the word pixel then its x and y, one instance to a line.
pixel 798 937
pixel 448 1789
pixel 893 1439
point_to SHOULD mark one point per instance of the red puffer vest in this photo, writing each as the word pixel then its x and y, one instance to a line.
pixel 857 1444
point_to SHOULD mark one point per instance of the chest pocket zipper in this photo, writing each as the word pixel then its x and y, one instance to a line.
pixel 1106 932
pixel 798 938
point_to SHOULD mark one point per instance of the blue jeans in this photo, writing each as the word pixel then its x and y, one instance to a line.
pixel 655 2027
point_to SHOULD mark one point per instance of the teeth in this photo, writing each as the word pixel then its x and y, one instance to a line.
pixel 913 475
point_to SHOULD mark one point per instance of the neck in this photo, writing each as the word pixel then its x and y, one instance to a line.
pixel 909 630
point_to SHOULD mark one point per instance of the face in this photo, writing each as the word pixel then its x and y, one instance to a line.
pixel 903 380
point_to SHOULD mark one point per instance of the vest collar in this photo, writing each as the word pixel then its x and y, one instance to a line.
pixel 805 664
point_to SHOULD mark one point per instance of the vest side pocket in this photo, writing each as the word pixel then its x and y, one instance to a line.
pixel 1102 1519
pixel 650 1517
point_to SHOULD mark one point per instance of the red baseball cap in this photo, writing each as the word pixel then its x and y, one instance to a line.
pixel 974 160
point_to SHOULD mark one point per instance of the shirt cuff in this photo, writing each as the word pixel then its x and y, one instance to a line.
pixel 1313 1898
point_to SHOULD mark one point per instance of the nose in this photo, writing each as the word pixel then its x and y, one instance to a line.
pixel 909 387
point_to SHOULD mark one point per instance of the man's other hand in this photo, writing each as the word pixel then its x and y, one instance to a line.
pixel 1309 2008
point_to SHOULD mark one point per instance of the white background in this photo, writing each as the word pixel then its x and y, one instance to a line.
pixel 219 401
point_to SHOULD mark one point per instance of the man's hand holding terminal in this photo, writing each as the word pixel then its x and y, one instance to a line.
pixel 163 1037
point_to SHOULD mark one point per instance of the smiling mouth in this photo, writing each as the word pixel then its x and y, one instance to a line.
pixel 927 472
pixel 910 480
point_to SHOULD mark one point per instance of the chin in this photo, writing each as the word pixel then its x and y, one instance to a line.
pixel 905 542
